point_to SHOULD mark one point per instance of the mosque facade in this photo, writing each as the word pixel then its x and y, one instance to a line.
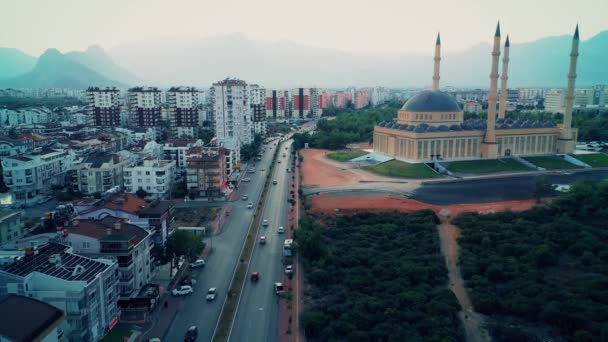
pixel 431 126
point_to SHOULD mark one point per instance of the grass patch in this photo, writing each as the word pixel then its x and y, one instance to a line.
pixel 551 163
pixel 117 334
pixel 593 160
pixel 486 166
pixel 397 168
pixel 346 155
pixel 195 217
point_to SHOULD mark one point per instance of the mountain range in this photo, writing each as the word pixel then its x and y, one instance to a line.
pixel 200 62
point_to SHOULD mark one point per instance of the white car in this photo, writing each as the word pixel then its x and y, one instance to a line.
pixel 281 230
pixel 265 223
pixel 249 205
pixel 183 290
pixel 278 288
pixel 245 197
pixel 211 294
pixel 289 269
pixel 262 240
pixel 274 181
pixel 246 179
pixel 198 263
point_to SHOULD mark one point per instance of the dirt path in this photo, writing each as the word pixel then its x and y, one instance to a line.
pixel 472 322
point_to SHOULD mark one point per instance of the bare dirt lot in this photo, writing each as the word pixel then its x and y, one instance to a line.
pixel 319 171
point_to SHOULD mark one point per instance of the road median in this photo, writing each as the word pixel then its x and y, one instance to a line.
pixel 229 309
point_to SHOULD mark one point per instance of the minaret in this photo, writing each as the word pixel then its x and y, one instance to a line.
pixel 437 59
pixel 502 106
pixel 566 142
pixel 489 148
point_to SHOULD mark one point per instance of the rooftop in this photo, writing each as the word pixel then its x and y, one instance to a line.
pixel 431 101
pixel 125 202
pixel 97 159
pixel 107 229
pixel 5 213
pixel 29 319
pixel 53 260
pixel 156 208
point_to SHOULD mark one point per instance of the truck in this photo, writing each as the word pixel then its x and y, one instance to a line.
pixel 288 248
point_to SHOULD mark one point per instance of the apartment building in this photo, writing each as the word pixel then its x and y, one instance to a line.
pixel 184 111
pixel 594 97
pixel 103 106
pixel 159 217
pixel 153 176
pixel 85 289
pixel 33 174
pixel 361 99
pixel 232 111
pixel 26 116
pixel 472 107
pixel 207 173
pixel 316 110
pixel 14 146
pixel 11 227
pixel 144 107
pixel 378 95
pixel 301 103
pixel 98 172
pixel 114 239
pixel 327 99
pixel 555 101
pixel 176 150
pixel 30 320
pixel 258 108
pixel 277 104
pixel 531 93
pixel 342 99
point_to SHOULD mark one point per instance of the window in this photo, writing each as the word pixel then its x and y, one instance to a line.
pixel 86 244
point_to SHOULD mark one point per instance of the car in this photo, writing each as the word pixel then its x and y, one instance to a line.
pixel 279 161
pixel 245 197
pixel 274 182
pixel 251 170
pixel 198 263
pixel 288 170
pixel 262 240
pixel 211 294
pixel 191 334
pixel 183 290
pixel 255 276
pixel 44 200
pixel 154 339
pixel 262 169
pixel 265 223
pixel 246 179
pixel 289 269
pixel 281 230
pixel 278 288
pixel 250 205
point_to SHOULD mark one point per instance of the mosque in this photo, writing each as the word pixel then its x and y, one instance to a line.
pixel 431 126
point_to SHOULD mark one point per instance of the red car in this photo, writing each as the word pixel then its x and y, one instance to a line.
pixel 255 276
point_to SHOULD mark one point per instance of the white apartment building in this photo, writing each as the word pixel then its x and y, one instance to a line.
pixel 183 104
pixel 103 105
pixel 594 97
pixel 176 150
pixel 31 175
pixel 378 95
pixel 13 147
pixel 257 95
pixel 555 101
pixel 152 175
pixel 232 111
pixel 85 289
pixel 98 172
pixel 27 116
pixel 531 93
pixel 315 102
pixel 144 107
pixel 472 107
pixel 306 103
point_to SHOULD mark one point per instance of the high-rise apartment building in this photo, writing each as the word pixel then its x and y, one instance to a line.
pixel 301 103
pixel 145 106
pixel 555 101
pixel 277 106
pixel 183 103
pixel 316 109
pixel 232 111
pixel 103 106
pixel 257 97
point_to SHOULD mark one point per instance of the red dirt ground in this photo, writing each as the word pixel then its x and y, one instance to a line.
pixel 327 203
pixel 318 173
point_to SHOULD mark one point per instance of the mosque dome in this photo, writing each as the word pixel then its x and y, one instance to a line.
pixel 431 101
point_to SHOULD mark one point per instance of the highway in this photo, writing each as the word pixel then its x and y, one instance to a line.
pixel 257 313
pixel 194 309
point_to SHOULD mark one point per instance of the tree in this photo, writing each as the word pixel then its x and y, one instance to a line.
pixel 3 187
pixel 141 193
pixel 542 187
pixel 183 243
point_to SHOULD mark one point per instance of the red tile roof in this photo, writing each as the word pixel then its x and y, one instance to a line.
pixel 126 202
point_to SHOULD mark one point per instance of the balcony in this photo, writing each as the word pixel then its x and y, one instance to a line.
pixel 126 278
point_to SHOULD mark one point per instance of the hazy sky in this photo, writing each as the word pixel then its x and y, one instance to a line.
pixel 369 26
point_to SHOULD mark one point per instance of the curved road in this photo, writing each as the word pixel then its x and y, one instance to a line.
pixel 193 309
pixel 258 310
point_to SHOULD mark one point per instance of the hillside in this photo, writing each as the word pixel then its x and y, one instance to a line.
pixel 13 62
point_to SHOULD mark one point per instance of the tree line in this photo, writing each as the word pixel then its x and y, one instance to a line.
pixel 376 277
pixel 543 271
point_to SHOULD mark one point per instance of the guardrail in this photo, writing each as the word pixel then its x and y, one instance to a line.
pixel 224 325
